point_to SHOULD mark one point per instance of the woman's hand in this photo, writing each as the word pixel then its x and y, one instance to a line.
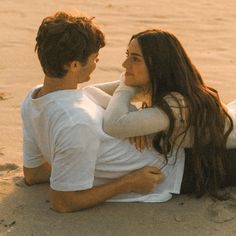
pixel 141 142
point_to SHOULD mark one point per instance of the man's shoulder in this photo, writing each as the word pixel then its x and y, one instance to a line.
pixel 76 105
pixel 64 108
pixel 76 109
pixel 62 104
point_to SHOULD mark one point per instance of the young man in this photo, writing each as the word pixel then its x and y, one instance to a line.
pixel 62 127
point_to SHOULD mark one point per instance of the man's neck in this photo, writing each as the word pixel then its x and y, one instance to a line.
pixel 55 84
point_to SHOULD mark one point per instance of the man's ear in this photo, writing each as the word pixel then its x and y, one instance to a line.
pixel 73 66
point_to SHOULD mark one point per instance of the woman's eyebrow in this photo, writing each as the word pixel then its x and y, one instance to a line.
pixel 135 54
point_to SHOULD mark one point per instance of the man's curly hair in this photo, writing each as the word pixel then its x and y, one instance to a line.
pixel 63 38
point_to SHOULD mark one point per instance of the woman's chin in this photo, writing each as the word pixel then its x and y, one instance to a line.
pixel 128 82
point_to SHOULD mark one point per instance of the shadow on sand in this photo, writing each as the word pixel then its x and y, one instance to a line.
pixel 25 211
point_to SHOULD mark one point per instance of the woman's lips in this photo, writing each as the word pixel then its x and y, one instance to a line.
pixel 128 73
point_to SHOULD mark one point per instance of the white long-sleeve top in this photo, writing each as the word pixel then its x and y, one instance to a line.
pixel 122 122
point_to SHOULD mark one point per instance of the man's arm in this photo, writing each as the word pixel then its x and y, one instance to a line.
pixel 73 169
pixel 140 181
pixel 37 175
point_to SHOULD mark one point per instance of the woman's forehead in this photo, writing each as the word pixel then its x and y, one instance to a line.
pixel 134 46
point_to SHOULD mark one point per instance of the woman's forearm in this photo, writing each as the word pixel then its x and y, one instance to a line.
pixel 98 96
pixel 121 123
pixel 108 87
pixel 101 93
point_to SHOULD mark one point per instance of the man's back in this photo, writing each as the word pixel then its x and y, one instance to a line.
pixel 67 121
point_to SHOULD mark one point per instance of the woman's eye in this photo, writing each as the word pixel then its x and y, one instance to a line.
pixel 135 59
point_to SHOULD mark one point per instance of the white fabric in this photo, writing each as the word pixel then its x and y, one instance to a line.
pixel 120 122
pixel 231 141
pixel 65 129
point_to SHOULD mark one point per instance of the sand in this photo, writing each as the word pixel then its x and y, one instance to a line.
pixel 207 30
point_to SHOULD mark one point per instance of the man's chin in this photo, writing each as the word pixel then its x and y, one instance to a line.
pixel 84 79
pixel 87 79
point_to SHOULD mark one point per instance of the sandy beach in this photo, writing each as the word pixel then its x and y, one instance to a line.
pixel 207 30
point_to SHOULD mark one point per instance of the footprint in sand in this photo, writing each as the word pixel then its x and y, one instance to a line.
pixel 231 203
pixel 3 96
pixel 8 167
pixel 220 213
pixel 1 152
pixel 19 181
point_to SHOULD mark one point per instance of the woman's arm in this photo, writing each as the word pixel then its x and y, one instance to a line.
pixel 108 87
pixel 101 93
pixel 121 123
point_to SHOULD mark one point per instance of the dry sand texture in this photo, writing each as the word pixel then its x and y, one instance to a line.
pixel 207 30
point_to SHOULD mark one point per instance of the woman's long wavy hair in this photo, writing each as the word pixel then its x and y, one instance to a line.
pixel 171 70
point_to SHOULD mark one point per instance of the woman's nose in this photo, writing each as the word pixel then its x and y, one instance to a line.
pixel 125 63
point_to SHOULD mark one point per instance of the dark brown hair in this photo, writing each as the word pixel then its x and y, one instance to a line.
pixel 63 38
pixel 171 70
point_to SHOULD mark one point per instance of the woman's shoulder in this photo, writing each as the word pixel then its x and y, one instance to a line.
pixel 232 105
pixel 175 99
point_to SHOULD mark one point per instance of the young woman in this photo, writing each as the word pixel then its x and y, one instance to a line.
pixel 181 111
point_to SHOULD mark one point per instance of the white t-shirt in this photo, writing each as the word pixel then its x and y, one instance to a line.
pixel 65 129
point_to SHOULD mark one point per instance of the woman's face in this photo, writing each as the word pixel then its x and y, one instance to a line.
pixel 136 70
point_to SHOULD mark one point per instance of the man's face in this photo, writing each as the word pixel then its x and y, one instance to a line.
pixel 88 68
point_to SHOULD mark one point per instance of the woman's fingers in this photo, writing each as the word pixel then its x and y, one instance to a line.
pixel 141 142
pixel 148 142
pixel 138 143
pixel 132 140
